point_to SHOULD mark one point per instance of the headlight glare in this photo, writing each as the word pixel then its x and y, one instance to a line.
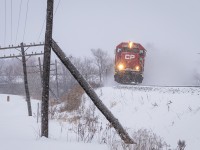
pixel 137 68
pixel 120 66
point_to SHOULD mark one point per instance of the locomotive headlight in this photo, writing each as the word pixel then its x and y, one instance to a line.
pixel 130 44
pixel 120 67
pixel 137 68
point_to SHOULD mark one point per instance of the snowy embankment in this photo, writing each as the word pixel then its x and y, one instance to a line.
pixel 171 112
pixel 20 132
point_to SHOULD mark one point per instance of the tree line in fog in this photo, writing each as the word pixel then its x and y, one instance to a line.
pixel 94 69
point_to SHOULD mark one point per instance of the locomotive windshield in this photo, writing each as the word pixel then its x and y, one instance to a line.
pixel 127 49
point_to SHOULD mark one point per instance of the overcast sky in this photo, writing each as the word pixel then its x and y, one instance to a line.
pixel 165 28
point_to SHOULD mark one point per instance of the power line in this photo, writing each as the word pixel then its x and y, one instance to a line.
pixel 41 30
pixel 25 20
pixel 11 18
pixel 45 20
pixel 57 7
pixel 5 24
pixel 20 6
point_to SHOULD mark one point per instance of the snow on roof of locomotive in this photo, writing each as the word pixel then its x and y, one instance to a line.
pixel 126 44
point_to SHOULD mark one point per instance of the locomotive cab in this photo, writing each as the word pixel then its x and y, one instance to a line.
pixel 129 62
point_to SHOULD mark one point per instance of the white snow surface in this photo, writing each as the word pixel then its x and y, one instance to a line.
pixel 18 131
pixel 172 113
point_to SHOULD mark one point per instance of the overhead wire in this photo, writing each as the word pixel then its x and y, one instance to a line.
pixel 45 20
pixel 20 6
pixel 11 18
pixel 5 24
pixel 41 30
pixel 25 20
pixel 19 18
pixel 57 7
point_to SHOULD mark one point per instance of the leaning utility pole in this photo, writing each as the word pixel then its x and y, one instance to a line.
pixel 91 93
pixel 46 69
pixel 26 80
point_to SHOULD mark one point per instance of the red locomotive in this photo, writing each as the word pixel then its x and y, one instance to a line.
pixel 129 62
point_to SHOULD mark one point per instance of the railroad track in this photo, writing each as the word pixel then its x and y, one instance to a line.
pixel 161 88
pixel 154 85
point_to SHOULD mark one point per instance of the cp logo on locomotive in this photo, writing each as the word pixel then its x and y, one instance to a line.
pixel 129 56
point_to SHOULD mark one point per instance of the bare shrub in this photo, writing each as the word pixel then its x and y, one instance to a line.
pixel 145 139
pixel 181 145
pixel 88 126
pixel 113 104
pixel 72 99
pixel 53 108
pixel 85 123
pixel 148 140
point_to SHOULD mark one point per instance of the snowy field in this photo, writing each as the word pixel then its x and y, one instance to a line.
pixel 171 112
pixel 20 132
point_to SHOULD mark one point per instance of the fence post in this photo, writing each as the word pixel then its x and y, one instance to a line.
pixel 8 98
pixel 38 108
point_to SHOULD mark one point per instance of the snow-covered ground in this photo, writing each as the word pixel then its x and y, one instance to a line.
pixel 171 112
pixel 20 132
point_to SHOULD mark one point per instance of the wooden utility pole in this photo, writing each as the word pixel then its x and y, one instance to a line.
pixel 91 93
pixel 41 75
pixel 26 81
pixel 46 69
pixel 56 70
pixel 23 56
pixel 40 67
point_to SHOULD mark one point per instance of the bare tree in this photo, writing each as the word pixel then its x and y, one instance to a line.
pixel 86 67
pixel 11 77
pixel 89 71
pixel 102 61
pixel 67 79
